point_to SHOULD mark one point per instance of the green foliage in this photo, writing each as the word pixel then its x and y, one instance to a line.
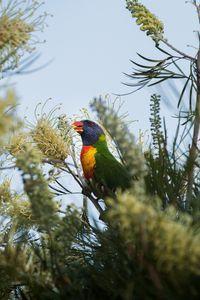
pixel 166 168
pixel 36 187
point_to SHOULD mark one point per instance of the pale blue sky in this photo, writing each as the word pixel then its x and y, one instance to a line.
pixel 91 42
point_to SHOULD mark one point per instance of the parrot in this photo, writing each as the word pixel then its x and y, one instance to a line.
pixel 98 163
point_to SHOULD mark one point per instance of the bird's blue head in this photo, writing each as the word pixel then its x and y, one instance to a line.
pixel 89 131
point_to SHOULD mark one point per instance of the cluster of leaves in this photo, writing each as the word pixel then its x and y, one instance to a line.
pixel 167 174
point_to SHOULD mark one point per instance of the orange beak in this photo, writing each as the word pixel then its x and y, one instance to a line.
pixel 78 127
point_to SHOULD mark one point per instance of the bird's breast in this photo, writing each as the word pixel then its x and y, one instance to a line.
pixel 88 161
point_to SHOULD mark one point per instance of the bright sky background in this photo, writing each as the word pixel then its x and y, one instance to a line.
pixel 91 43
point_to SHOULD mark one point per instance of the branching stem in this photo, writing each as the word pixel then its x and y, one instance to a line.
pixel 177 50
pixel 85 190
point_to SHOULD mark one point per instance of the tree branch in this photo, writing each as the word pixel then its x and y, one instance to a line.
pixel 85 189
pixel 194 147
pixel 7 168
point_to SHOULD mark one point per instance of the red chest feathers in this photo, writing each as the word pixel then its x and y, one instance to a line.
pixel 88 161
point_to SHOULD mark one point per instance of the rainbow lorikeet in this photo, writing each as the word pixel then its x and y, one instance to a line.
pixel 98 164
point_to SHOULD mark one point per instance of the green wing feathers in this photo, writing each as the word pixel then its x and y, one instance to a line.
pixel 109 171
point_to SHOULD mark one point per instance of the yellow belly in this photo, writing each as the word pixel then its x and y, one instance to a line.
pixel 88 161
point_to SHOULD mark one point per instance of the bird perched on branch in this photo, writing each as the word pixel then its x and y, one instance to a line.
pixel 98 163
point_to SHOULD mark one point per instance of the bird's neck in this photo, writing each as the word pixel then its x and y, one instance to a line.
pixel 101 142
pixel 95 143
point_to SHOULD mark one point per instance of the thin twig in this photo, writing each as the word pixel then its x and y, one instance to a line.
pixel 178 51
pixel 63 187
pixel 95 202
pixel 7 168
pixel 197 8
